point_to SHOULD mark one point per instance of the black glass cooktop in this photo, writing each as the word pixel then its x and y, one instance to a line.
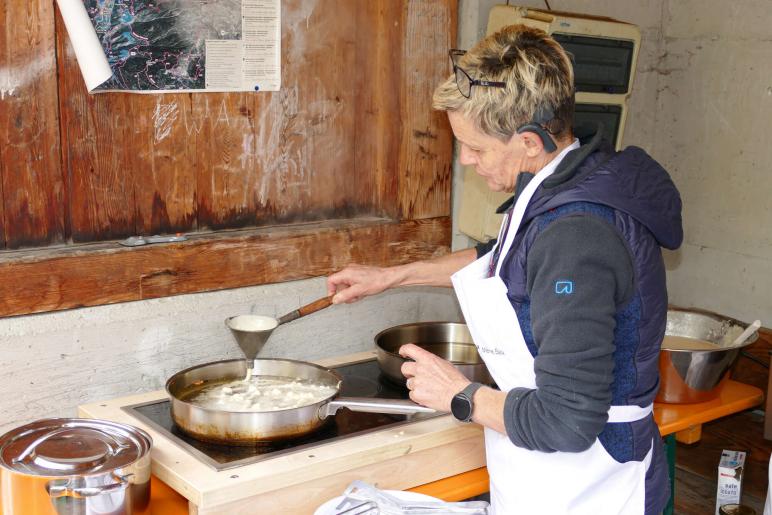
pixel 362 379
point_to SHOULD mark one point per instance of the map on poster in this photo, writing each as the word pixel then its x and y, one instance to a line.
pixel 183 45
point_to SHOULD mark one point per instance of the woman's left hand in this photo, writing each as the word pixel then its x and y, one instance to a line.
pixel 432 381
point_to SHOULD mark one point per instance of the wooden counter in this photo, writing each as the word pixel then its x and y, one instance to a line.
pixel 399 458
pixel 438 457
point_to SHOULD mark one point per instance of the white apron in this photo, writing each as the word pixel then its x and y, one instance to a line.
pixel 525 482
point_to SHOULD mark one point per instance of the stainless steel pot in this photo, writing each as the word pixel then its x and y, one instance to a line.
pixel 688 376
pixel 69 466
pixel 449 340
pixel 250 427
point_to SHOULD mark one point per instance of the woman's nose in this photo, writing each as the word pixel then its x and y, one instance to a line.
pixel 466 157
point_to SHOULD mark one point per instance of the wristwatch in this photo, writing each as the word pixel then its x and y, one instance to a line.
pixel 462 405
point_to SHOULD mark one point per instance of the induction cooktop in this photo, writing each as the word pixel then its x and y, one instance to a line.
pixel 362 379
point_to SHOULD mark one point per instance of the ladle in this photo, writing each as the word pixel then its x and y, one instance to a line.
pixel 745 334
pixel 252 331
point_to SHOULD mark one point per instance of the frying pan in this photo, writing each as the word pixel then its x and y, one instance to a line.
pixel 449 340
pixel 251 427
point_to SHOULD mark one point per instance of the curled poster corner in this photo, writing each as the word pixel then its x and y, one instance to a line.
pixel 88 50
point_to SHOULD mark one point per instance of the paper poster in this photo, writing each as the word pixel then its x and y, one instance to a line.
pixel 157 46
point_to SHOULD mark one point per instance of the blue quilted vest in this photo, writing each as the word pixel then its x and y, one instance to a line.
pixel 634 194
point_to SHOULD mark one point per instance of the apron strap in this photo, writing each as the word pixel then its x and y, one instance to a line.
pixel 619 414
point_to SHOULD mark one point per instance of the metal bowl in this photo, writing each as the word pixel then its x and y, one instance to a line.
pixel 688 376
pixel 449 340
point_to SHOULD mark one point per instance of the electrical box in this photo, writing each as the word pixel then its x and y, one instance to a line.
pixel 604 53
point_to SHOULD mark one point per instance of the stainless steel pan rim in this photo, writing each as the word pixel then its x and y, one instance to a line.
pixel 451 341
pixel 458 327
pixel 181 373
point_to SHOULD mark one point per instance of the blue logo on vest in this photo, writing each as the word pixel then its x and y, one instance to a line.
pixel 564 287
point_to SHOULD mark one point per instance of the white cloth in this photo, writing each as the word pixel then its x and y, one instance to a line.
pixel 524 481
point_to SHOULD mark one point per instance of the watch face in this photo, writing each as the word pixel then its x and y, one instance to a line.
pixel 461 407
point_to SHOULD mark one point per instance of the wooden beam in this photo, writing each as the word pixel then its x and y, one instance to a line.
pixel 105 273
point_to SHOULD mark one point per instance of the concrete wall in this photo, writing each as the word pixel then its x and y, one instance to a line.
pixel 714 113
pixel 51 363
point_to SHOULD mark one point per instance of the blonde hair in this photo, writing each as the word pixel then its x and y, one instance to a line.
pixel 538 76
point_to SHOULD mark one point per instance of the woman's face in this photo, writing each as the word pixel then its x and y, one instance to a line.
pixel 497 162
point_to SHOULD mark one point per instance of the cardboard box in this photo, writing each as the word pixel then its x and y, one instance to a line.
pixel 730 478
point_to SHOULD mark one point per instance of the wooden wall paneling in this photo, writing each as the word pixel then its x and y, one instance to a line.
pixel 32 184
pixel 287 156
pixel 165 166
pixel 99 161
pixel 320 149
pixel 128 158
pixel 378 77
pixel 70 278
pixel 2 207
pixel 4 82
pixel 321 55
pixel 426 153
pixel 228 191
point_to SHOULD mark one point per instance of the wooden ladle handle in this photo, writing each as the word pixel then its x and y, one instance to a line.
pixel 306 310
pixel 315 306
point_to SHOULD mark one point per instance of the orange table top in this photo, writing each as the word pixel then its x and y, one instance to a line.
pixel 671 418
pixel 734 397
pixel 164 500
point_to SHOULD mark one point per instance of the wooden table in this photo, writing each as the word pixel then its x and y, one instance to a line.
pixel 681 422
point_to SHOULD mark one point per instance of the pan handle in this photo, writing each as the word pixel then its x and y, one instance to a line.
pixel 371 405
pixel 58 489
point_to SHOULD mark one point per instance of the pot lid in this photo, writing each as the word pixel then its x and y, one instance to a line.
pixel 72 446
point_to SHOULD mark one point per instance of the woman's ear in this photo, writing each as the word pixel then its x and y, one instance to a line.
pixel 533 143
pixel 539 132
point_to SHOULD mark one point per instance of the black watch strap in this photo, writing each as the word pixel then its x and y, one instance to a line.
pixel 462 405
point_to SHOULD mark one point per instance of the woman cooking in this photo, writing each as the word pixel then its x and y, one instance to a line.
pixel 567 307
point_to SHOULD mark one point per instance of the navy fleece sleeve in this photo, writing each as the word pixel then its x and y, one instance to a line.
pixel 579 271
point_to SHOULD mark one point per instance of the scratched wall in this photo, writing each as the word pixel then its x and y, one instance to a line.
pixel 327 146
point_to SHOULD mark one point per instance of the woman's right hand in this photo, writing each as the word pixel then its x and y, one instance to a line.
pixel 358 281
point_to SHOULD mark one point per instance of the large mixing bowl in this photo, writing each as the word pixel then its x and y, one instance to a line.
pixel 688 376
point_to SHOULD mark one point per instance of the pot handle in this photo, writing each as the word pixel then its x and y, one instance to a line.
pixel 27 453
pixel 58 489
pixel 372 405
